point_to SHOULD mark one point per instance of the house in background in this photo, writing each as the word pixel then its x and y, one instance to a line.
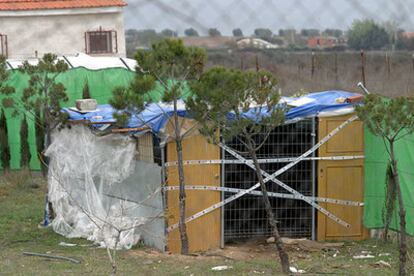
pixel 31 28
pixel 322 42
pixel 257 43
pixel 407 35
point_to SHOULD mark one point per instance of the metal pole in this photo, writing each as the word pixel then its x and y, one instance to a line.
pixel 222 178
pixel 313 178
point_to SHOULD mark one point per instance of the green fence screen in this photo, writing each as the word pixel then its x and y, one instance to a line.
pixel 376 160
pixel 101 84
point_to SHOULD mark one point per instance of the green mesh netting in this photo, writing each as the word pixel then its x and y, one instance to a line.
pixel 376 160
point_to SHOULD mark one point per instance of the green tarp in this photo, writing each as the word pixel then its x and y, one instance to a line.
pixel 101 84
pixel 376 160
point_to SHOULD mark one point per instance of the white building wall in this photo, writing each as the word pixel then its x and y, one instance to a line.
pixel 58 31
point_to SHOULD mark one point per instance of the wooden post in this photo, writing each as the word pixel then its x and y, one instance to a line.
pixel 336 67
pixel 412 58
pixel 388 64
pixel 241 63
pixel 363 68
pixel 313 65
pixel 257 64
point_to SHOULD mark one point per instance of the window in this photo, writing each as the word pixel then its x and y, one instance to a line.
pixel 101 42
pixel 3 45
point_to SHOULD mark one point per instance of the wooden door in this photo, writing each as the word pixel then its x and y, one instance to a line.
pixel 204 232
pixel 341 179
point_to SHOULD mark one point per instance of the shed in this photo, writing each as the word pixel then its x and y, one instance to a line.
pixel 303 161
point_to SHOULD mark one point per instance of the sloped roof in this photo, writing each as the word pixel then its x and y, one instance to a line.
pixel 20 5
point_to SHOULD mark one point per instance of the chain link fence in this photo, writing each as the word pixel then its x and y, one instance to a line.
pixel 306 44
pixel 296 34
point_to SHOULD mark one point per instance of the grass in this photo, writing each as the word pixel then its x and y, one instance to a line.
pixel 21 209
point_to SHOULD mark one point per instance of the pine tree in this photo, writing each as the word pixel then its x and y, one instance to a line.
pixel 24 145
pixel 4 143
pixel 85 92
pixel 221 98
pixel 171 65
pixel 40 140
pixel 42 97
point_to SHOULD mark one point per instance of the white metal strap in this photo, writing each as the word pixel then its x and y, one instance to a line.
pixel 273 178
pixel 271 194
pixel 268 160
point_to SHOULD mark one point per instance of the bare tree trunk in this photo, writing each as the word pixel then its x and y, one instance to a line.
pixel 179 147
pixel 284 258
pixel 112 261
pixel 403 235
pixel 389 200
pixel 112 256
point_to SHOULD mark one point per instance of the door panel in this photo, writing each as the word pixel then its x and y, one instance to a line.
pixel 341 179
pixel 204 232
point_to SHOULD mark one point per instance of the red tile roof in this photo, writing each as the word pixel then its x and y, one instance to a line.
pixel 18 5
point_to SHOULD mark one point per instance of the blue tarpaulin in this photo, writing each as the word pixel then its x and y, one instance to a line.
pixel 155 115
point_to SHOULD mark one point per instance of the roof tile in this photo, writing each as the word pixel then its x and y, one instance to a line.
pixel 18 5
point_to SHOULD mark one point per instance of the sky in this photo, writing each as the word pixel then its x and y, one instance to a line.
pixel 226 15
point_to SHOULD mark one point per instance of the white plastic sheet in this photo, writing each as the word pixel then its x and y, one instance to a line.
pixel 99 190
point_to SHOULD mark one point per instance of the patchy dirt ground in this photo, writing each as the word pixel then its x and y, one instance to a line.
pixel 21 205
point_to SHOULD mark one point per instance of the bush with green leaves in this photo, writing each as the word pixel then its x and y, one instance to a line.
pixel 25 155
pixel 4 143
pixel 5 90
pixel 86 94
pixel 367 35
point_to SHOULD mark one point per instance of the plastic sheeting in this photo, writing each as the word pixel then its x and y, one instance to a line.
pixel 99 190
pixel 155 116
pixel 84 60
pixel 376 160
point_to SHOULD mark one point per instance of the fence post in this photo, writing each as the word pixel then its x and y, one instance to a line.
pixel 412 58
pixel 363 68
pixel 313 65
pixel 388 64
pixel 336 67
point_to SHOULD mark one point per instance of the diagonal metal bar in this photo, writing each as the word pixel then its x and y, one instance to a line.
pixel 286 187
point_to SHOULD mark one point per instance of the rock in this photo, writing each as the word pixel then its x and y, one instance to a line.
pixel 270 240
pixel 360 257
pixel 295 270
pixel 221 267
pixel 382 263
